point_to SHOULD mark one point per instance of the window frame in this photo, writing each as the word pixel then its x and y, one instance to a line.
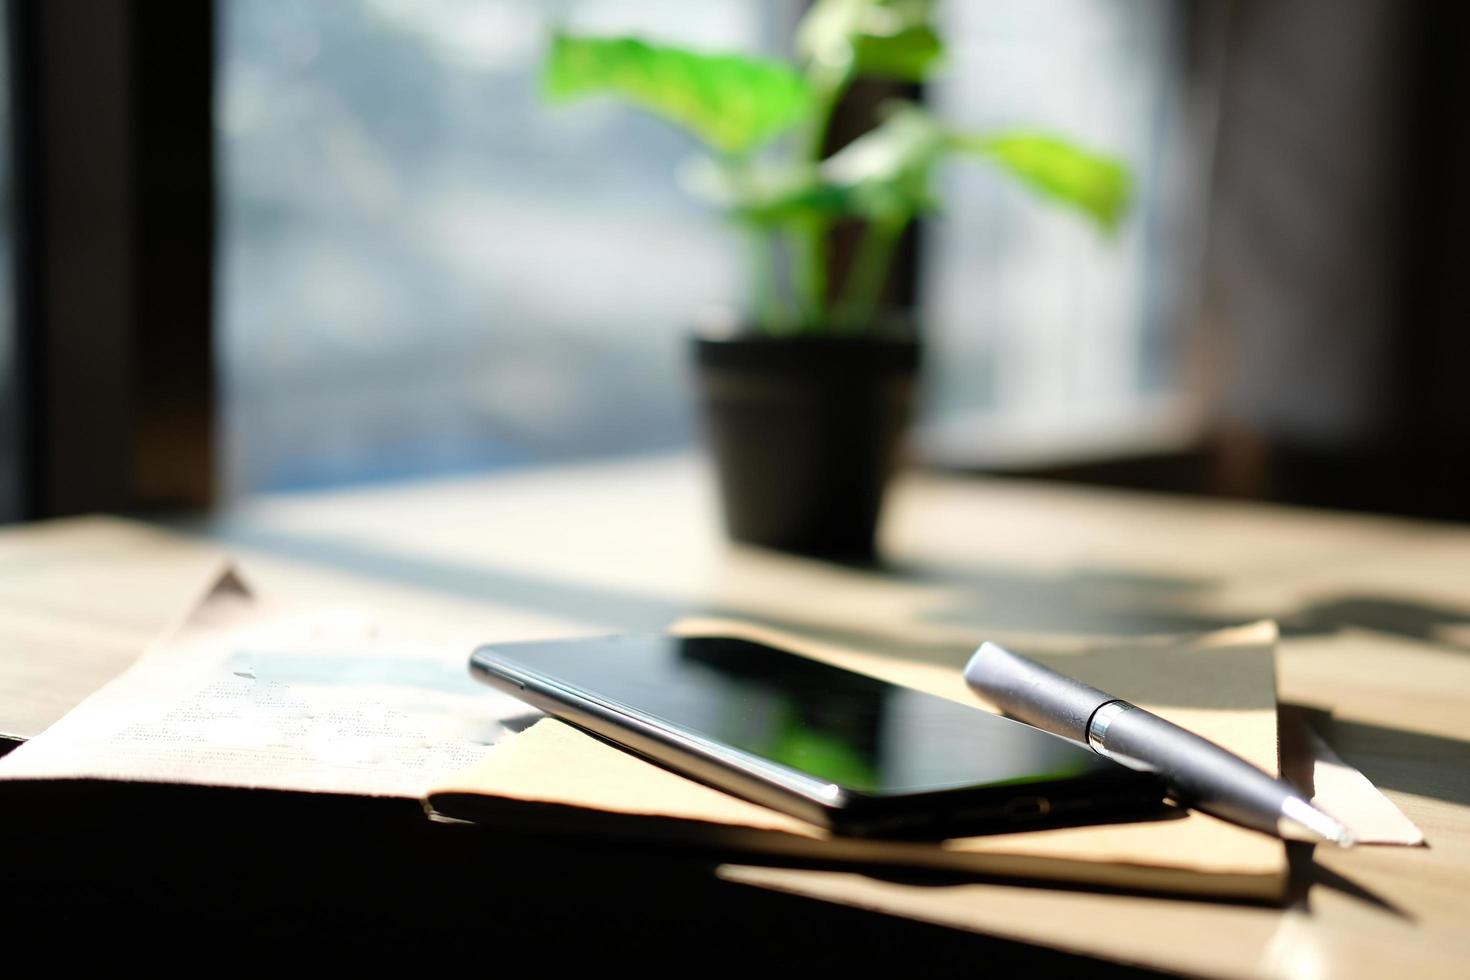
pixel 113 163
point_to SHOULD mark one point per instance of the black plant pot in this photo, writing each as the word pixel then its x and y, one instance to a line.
pixel 805 434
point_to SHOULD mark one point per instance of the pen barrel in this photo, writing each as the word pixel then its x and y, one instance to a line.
pixel 1201 774
pixel 1037 695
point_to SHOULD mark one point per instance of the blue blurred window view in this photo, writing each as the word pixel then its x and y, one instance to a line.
pixel 1044 332
pixel 423 269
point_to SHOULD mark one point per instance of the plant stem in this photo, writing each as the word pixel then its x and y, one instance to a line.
pixel 811 234
pixel 869 273
pixel 766 305
pixel 771 314
pixel 811 248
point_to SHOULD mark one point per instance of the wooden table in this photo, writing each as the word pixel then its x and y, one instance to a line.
pixel 1375 613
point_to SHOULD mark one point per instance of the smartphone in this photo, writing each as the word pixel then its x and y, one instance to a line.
pixel 840 749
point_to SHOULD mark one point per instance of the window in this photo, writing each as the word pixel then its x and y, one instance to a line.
pixel 1045 332
pixel 424 269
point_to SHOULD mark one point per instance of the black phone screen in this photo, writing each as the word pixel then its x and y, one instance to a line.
pixel 849 729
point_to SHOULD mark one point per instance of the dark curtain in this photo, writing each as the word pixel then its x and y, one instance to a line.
pixel 1337 308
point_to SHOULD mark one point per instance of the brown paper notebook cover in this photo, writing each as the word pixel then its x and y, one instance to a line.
pixel 1221 685
pixel 80 599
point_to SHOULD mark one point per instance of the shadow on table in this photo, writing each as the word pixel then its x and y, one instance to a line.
pixel 1306 876
pixel 1434 766
pixel 1103 602
pixel 1085 602
pixel 269 874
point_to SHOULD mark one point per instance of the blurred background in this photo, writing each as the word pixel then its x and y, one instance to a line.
pixel 259 245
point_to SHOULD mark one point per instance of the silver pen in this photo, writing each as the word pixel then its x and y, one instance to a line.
pixel 1200 773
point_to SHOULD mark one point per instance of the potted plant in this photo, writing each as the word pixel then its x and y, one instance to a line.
pixel 806 402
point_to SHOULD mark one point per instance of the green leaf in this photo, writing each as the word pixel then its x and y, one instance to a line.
pixel 733 102
pixel 1098 186
pixel 886 175
pixel 879 38
pixel 888 170
pixel 906 56
pixel 765 194
pixel 883 175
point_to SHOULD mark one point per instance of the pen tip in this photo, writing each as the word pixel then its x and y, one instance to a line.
pixel 1319 825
